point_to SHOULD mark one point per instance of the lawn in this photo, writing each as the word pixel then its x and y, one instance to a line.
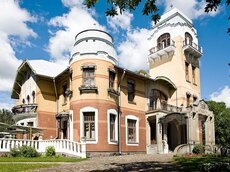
pixel 40 159
pixel 195 163
pixel 22 167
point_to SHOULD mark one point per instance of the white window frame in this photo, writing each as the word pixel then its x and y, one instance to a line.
pixel 114 112
pixel 132 117
pixel 82 111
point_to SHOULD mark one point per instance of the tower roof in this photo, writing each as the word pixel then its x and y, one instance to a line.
pixel 172 13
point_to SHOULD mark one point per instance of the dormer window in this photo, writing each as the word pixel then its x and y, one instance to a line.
pixel 188 39
pixel 163 41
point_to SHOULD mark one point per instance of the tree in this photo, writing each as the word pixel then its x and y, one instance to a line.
pixel 222 121
pixel 149 8
pixel 6 116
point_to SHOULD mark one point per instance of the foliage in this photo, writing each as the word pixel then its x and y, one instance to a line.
pixel 41 159
pixel 198 149
pixel 222 121
pixel 23 167
pixel 142 72
pixel 150 7
pixel 195 163
pixel 24 151
pixel 220 166
pixel 6 116
pixel 50 151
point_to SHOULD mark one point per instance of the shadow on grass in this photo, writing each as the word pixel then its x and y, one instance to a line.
pixel 195 163
pixel 141 166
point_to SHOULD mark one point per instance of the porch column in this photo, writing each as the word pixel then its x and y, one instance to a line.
pixel 148 132
pixel 159 135
pixel 165 138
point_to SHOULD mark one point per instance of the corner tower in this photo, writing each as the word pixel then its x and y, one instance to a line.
pixel 175 54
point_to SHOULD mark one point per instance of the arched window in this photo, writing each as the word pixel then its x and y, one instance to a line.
pixel 188 39
pixel 163 41
pixel 156 95
pixel 28 99
pixel 23 101
pixel 33 95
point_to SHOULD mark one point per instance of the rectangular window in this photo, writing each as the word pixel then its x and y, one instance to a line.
pixel 188 100
pixel 30 124
pixel 186 71
pixel 112 127
pixel 111 79
pixel 194 99
pixel 64 88
pixel 193 75
pixel 88 77
pixel 131 131
pixel 89 125
pixel 131 90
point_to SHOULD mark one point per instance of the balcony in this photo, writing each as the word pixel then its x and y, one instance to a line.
pixel 192 49
pixel 164 107
pixel 162 49
pixel 88 89
pixel 24 111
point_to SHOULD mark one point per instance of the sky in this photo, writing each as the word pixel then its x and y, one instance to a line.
pixel 46 29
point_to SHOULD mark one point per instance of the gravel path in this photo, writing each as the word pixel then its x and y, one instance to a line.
pixel 123 163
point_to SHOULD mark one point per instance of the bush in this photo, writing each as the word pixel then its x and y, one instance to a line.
pixel 213 167
pixel 24 151
pixel 50 151
pixel 198 149
pixel 14 152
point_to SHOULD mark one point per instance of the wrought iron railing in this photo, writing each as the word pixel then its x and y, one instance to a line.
pixel 162 46
pixel 193 45
pixel 165 107
pixel 25 108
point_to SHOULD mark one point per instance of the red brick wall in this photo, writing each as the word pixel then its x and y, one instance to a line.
pixel 47 121
pixel 102 145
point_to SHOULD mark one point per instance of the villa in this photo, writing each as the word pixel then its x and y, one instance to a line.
pixel 113 109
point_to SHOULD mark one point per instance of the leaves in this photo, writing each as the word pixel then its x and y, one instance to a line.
pixel 6 116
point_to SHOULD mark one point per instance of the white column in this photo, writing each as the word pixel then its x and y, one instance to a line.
pixel 158 135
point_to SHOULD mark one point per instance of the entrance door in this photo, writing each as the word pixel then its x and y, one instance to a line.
pixel 173 133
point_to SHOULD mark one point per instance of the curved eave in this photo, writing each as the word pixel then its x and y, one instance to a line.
pixel 167 81
pixel 19 78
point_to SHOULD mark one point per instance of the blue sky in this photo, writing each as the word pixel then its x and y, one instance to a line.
pixel 46 30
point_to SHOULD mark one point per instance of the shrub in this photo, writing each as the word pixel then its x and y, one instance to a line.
pixel 50 151
pixel 28 151
pixel 14 152
pixel 24 151
pixel 213 167
pixel 198 149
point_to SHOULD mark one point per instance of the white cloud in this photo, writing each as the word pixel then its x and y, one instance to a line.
pixel 72 3
pixel 222 95
pixel 192 8
pixel 13 22
pixel 68 25
pixel 133 52
pixel 120 21
pixel 5 101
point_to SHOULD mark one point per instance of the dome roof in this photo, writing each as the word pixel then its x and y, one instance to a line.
pixel 96 43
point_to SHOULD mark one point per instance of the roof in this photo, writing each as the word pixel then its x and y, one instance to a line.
pixel 40 68
pixel 46 68
pixel 171 14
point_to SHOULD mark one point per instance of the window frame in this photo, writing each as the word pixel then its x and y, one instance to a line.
pixel 113 112
pixel 194 75
pixel 132 117
pixel 130 81
pixel 89 78
pixel 187 71
pixel 112 82
pixel 82 135
pixel 163 41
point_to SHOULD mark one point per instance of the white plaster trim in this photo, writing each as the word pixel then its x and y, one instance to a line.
pixel 89 109
pixel 25 121
pixel 114 112
pixel 137 130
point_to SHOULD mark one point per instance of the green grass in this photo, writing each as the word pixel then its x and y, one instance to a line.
pixel 194 163
pixel 22 167
pixel 40 159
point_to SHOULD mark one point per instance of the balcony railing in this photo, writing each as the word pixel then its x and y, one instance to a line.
pixel 164 107
pixel 192 47
pixel 25 108
pixel 162 46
